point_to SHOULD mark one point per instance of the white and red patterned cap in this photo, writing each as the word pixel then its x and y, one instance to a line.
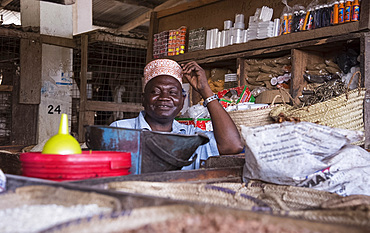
pixel 162 67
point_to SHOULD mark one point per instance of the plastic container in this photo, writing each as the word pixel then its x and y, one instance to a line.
pixel 336 13
pixel 228 24
pixel 355 11
pixel 348 11
pixel 89 164
pixel 62 143
pixel 239 25
pixel 284 25
pixel 302 16
pixel 341 11
pixel 239 18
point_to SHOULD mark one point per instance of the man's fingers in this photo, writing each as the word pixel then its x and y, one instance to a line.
pixel 188 66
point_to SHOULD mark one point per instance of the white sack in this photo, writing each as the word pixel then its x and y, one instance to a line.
pixel 307 155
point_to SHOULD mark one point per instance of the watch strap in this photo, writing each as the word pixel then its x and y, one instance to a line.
pixel 209 99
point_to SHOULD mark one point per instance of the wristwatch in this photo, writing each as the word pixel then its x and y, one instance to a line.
pixel 209 99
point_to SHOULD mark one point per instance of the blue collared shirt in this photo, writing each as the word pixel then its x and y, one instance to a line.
pixel 203 151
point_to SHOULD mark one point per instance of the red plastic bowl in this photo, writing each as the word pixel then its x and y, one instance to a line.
pixel 89 164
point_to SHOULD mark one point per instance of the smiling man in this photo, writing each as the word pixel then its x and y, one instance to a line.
pixel 163 99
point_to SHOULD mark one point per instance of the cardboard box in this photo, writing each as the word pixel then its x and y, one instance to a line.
pixel 266 97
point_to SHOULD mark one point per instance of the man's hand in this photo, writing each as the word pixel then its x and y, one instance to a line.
pixel 197 79
pixel 226 134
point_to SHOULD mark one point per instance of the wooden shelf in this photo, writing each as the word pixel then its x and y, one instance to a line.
pixel 6 88
pixel 343 32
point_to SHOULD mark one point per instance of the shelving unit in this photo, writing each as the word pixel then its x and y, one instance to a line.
pixel 304 47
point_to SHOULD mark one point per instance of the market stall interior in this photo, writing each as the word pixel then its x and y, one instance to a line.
pixel 293 76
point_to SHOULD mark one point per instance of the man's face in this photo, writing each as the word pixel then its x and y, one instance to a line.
pixel 163 98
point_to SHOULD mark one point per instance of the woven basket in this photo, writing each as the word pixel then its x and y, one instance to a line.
pixel 196 218
pixel 254 117
pixel 344 111
pixel 45 195
pixel 270 201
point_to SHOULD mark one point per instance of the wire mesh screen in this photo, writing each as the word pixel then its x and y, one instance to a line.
pixel 9 67
pixel 115 72
pixel 5 117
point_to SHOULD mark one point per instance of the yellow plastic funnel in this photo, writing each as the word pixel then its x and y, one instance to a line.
pixel 62 143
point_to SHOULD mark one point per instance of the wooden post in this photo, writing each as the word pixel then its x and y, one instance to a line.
pixel 153 29
pixel 27 94
pixel 30 80
pixel 299 60
pixel 240 71
pixel 364 15
pixel 83 86
pixel 365 71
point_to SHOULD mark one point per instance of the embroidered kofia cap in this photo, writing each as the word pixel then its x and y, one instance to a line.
pixel 162 67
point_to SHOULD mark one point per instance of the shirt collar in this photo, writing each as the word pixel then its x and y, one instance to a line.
pixel 142 124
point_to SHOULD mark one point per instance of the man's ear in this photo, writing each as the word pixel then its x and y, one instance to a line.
pixel 183 101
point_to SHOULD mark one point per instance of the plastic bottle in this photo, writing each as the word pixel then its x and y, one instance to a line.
pixel 295 22
pixel 325 16
pixel 355 11
pixel 317 17
pixel 341 12
pixel 284 24
pixel 290 21
pixel 308 22
pixel 336 13
pixel 302 16
pixel 331 11
pixel 347 11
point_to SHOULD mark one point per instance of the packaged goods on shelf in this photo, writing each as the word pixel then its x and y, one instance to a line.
pixel 267 72
pixel 160 44
pixel 231 80
pixel 260 26
pixel 235 95
pixel 202 123
pixel 211 38
pixel 169 43
pixel 176 41
pixel 316 16
pixel 197 39
pixel 216 79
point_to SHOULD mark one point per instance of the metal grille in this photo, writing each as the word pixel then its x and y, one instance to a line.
pixel 9 68
pixel 5 117
pixel 115 72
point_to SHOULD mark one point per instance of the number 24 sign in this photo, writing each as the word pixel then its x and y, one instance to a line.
pixel 53 109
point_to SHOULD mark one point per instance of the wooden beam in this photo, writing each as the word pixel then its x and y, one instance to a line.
pixel 58 41
pixel 62 2
pixel 144 18
pixel 44 39
pixel 129 42
pixel 6 88
pixel 136 22
pixel 138 3
pixel 184 7
pixel 4 3
pixel 109 106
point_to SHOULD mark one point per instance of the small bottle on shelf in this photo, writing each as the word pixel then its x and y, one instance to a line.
pixel 355 11
pixel 336 13
pixel 347 11
pixel 341 11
